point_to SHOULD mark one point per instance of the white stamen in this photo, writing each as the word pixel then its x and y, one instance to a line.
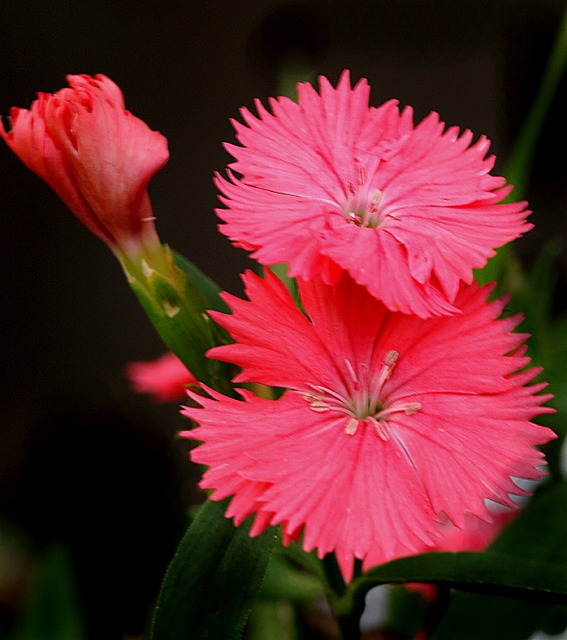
pixel 316 403
pixel 380 429
pixel 388 364
pixel 325 390
pixel 409 409
pixel 391 358
pixel 319 407
pixel 352 374
pixel 351 426
pixel 412 407
pixel 362 399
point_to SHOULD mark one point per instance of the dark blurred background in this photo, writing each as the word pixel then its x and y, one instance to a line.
pixel 82 459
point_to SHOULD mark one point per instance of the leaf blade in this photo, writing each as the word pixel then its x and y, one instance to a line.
pixel 213 579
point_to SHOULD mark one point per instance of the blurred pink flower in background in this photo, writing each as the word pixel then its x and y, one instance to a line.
pixel 476 533
pixel 329 184
pixel 164 379
pixel 95 155
pixel 388 422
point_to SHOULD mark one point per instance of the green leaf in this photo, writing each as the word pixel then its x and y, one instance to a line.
pixel 208 288
pixel 177 308
pixel 481 571
pixel 526 567
pixel 272 621
pixel 53 610
pixel 539 532
pixel 285 582
pixel 213 579
pixel 537 536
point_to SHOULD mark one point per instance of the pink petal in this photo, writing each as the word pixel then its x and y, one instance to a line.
pixel 383 434
pixel 329 183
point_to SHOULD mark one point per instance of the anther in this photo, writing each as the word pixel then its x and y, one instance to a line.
pixel 353 218
pixel 319 406
pixel 388 364
pixel 409 409
pixel 413 407
pixel 391 358
pixel 351 426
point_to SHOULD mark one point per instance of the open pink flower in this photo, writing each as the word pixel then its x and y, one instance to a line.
pixel 165 378
pixel 329 184
pixel 95 155
pixel 390 424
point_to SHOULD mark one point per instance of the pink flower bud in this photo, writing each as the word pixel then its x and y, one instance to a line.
pixel 95 155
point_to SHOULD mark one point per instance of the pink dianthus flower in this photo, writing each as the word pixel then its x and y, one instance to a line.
pixel 165 379
pixel 329 184
pixel 389 426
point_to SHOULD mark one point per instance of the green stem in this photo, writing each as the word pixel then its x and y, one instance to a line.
pixel 348 616
pixel 333 575
pixel 346 607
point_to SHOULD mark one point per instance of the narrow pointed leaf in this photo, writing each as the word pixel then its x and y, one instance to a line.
pixel 537 536
pixel 53 610
pixel 486 572
pixel 528 561
pixel 213 579
pixel 286 583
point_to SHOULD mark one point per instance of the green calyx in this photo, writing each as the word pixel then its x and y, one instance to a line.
pixel 178 311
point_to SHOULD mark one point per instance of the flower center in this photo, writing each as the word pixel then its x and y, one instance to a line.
pixel 363 211
pixel 362 400
pixel 362 204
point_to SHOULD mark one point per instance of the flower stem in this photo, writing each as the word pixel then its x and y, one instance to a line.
pixel 345 607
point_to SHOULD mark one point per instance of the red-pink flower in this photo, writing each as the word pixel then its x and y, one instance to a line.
pixel 476 533
pixel 95 155
pixel 390 424
pixel 329 184
pixel 165 379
